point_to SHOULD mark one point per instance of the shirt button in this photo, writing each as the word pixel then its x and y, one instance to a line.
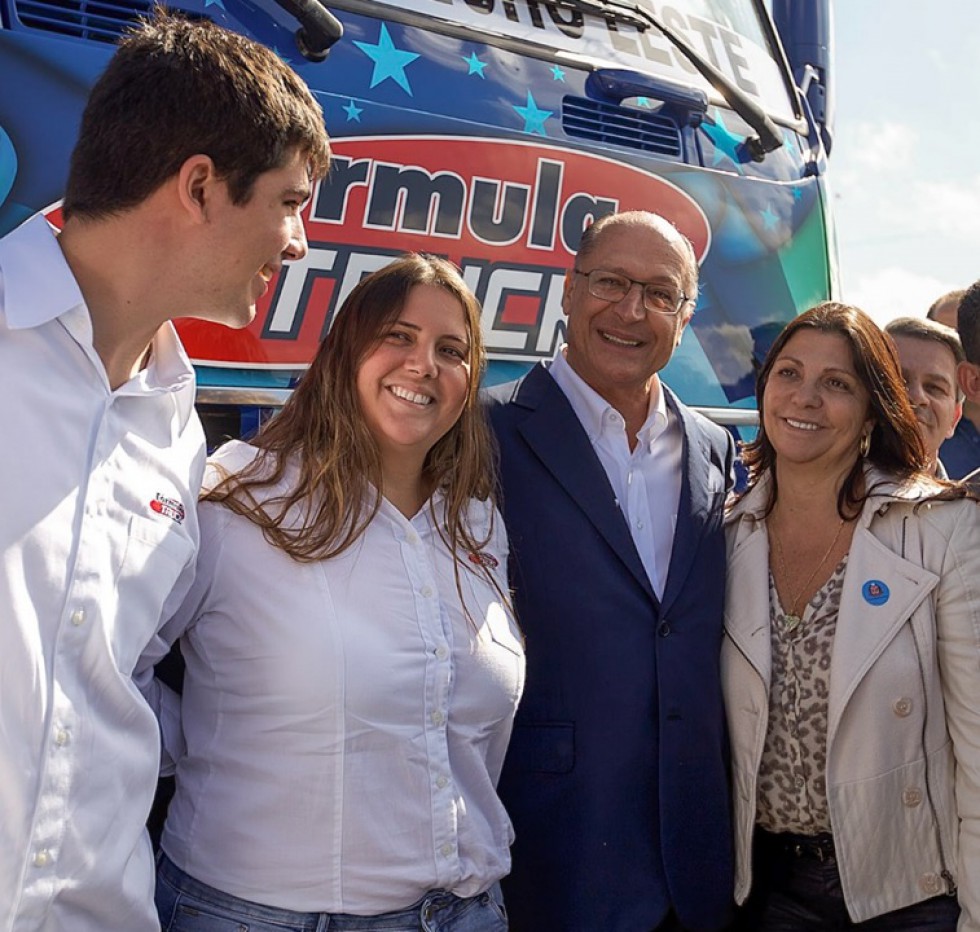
pixel 912 797
pixel 903 706
pixel 61 737
pixel 447 849
pixel 437 717
pixel 639 525
pixel 442 652
pixel 442 781
pixel 930 883
pixel 42 857
pixel 426 592
pixel 78 617
pixel 412 537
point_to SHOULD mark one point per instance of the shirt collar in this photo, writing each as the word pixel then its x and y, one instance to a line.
pixel 30 249
pixel 592 409
pixel 31 254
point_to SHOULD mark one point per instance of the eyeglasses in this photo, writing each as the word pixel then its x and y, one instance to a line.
pixel 611 286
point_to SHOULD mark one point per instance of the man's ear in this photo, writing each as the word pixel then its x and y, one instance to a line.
pixel 968 377
pixel 196 183
pixel 956 419
pixel 566 292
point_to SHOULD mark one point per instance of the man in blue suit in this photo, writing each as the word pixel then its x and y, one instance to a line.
pixel 612 492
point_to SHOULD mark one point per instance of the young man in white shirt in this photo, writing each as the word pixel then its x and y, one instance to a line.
pixel 177 204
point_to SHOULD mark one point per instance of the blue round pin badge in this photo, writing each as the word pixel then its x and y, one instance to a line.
pixel 875 592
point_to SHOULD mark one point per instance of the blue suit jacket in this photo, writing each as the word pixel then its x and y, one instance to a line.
pixel 617 773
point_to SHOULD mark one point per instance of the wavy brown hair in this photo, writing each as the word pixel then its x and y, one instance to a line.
pixel 321 431
pixel 896 446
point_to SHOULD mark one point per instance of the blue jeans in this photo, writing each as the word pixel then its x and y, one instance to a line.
pixel 187 905
pixel 802 893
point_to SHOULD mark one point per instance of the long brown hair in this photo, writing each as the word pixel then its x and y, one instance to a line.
pixel 321 431
pixel 896 445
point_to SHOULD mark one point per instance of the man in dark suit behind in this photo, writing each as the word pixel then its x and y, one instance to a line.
pixel 612 492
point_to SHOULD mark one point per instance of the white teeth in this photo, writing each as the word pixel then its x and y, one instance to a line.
pixel 801 425
pixel 611 339
pixel 413 397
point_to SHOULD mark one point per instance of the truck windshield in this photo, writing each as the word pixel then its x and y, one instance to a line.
pixel 728 33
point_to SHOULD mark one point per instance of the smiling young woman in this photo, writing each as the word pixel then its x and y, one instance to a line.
pixel 353 666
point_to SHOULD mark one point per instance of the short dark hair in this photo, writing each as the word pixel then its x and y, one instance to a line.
pixel 177 88
pixel 896 445
pixel 920 328
pixel 951 297
pixel 968 323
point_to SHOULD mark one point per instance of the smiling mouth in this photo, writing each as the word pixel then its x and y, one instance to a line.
pixel 801 425
pixel 618 341
pixel 413 397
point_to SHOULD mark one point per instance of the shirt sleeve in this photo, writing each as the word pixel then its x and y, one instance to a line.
pixel 958 642
pixel 188 604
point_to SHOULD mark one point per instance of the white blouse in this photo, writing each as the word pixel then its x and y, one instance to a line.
pixel 345 722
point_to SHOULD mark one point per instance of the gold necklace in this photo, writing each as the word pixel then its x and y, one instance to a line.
pixel 793 617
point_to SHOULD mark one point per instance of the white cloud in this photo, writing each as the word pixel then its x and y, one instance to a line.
pixel 946 207
pixel 882 146
pixel 895 292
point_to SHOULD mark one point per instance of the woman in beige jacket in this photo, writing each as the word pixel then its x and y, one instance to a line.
pixel 851 660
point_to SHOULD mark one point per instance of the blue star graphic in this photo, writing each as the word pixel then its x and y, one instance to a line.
pixel 726 142
pixel 389 62
pixel 218 3
pixel 557 74
pixel 797 192
pixel 353 112
pixel 534 116
pixel 643 102
pixel 769 217
pixel 275 49
pixel 476 66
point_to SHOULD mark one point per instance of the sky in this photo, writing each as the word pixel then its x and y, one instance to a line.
pixel 904 170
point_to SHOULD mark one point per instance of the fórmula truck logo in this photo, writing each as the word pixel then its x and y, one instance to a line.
pixel 510 214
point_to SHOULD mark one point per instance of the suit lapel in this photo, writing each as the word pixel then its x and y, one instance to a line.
pixel 695 500
pixel 747 597
pixel 871 623
pixel 554 433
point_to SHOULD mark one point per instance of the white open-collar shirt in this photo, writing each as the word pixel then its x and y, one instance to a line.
pixel 345 722
pixel 646 480
pixel 99 529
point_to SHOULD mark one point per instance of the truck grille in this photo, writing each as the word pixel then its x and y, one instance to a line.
pixel 620 126
pixel 83 19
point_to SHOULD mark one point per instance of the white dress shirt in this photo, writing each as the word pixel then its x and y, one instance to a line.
pixel 345 722
pixel 97 493
pixel 646 480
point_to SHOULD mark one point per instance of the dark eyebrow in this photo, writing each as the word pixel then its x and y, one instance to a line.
pixel 303 193
pixel 850 373
pixel 462 341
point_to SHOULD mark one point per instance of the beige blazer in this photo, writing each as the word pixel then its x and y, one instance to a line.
pixel 903 742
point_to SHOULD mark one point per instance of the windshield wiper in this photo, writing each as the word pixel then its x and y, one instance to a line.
pixel 767 136
pixel 318 27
